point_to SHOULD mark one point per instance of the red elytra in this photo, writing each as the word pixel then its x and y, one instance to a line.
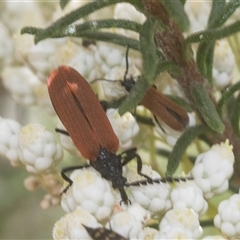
pixel 165 109
pixel 81 113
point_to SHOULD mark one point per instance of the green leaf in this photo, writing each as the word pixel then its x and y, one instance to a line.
pixel 217 6
pixel 134 97
pixel 107 23
pixel 176 10
pixel 112 38
pixel 209 63
pixel 226 95
pixel 58 26
pixel 167 66
pixel 63 3
pixel 225 12
pixel 201 57
pixel 214 34
pixel 206 108
pixel 236 115
pixel 181 145
pixel 148 49
pixel 30 30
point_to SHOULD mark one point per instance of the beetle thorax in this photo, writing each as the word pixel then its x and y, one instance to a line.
pixel 109 165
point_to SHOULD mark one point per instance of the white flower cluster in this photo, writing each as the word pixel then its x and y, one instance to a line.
pixel 179 207
pixel 214 180
pixel 34 148
pixel 198 12
pixel 223 64
pixel 125 126
pixel 38 150
pixel 228 217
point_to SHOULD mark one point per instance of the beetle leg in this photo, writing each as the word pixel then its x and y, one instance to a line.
pixel 130 154
pixel 66 178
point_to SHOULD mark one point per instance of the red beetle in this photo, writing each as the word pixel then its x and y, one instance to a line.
pixel 89 128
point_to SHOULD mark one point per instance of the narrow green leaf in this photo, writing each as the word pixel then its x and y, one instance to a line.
pixel 206 108
pixel 181 145
pixel 226 95
pixel 58 26
pixel 176 10
pixel 61 24
pixel 224 14
pixel 201 57
pixel 30 30
pixel 148 49
pixel 63 3
pixel 236 115
pixel 209 63
pixel 214 34
pixel 112 38
pixel 134 97
pixel 217 6
pixel 107 23
pixel 167 66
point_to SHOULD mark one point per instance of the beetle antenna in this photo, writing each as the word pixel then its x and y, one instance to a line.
pixel 159 180
pixel 127 64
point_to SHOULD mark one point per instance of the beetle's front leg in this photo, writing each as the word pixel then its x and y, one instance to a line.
pixel 66 178
pixel 130 154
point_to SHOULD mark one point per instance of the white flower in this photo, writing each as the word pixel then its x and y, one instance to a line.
pixel 125 126
pixel 138 212
pixel 49 54
pixel 112 87
pixel 166 84
pixel 228 218
pixel 182 217
pixel 38 150
pixel 21 83
pixel 223 64
pixel 153 197
pixel 193 200
pixel 10 130
pixel 125 224
pixel 129 12
pixel 198 12
pixel 70 226
pixel 85 63
pixel 147 233
pixel 214 180
pixel 174 232
pixel 108 57
pixel 90 191
pixel 15 19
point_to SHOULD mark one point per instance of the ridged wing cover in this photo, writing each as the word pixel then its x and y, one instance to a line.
pixel 80 112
